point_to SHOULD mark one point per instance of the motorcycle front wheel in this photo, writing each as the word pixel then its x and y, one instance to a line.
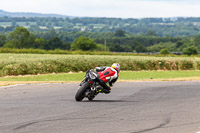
pixel 80 94
pixel 90 98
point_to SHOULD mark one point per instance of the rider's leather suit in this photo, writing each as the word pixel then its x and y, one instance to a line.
pixel 107 76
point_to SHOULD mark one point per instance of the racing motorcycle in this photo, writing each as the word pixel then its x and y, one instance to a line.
pixel 89 87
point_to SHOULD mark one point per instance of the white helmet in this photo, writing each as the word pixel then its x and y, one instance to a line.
pixel 116 66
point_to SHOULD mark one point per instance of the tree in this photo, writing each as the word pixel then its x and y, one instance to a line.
pixel 179 43
pixel 39 43
pixel 127 48
pixel 49 34
pixel 2 40
pixel 54 43
pixel 190 50
pixel 164 51
pixel 119 33
pixel 140 48
pixel 34 28
pixel 20 38
pixel 66 46
pixel 83 43
pixel 9 28
pixel 197 41
pixel 151 33
pixel 155 48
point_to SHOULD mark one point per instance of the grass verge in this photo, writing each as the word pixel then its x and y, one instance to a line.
pixel 124 76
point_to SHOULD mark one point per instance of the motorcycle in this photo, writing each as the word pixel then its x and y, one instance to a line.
pixel 89 87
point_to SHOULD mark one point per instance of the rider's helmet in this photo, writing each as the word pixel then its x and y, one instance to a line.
pixel 116 66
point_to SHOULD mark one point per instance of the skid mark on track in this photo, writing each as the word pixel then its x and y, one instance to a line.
pixel 25 125
pixel 167 121
pixel 28 124
pixel 42 121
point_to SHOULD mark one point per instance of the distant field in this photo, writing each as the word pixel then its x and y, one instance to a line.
pixel 22 64
pixel 5 23
pixel 18 23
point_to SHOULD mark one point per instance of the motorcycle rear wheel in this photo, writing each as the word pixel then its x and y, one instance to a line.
pixel 80 94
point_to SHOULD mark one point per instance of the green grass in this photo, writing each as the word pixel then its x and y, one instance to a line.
pixel 125 75
pixel 46 77
pixel 148 75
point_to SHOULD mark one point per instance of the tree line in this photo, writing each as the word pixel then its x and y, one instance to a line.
pixel 118 41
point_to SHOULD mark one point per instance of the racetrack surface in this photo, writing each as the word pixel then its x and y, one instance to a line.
pixel 131 107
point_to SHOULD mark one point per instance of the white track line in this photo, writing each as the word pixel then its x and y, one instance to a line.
pixel 2 87
pixel 11 86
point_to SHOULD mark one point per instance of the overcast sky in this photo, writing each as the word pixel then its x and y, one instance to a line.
pixel 107 8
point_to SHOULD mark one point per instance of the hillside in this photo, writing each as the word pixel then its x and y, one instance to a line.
pixel 174 27
pixel 26 14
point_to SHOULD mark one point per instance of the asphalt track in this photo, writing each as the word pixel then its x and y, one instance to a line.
pixel 137 107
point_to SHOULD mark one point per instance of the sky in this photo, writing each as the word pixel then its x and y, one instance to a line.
pixel 107 8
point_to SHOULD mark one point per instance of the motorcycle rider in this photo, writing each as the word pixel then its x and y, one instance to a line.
pixel 108 76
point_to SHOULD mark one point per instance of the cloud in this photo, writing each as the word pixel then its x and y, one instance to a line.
pixel 107 8
pixel 136 8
